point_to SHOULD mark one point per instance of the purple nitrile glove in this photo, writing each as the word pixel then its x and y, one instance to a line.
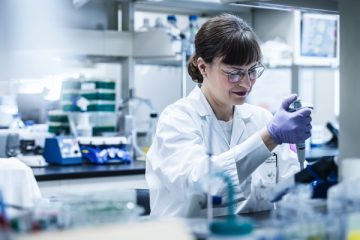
pixel 290 127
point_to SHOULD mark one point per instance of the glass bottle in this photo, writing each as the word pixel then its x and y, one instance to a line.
pixel 174 33
pixel 151 133
pixel 146 25
pixel 16 123
pixel 189 35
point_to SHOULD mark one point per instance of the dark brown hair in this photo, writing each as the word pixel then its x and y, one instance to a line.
pixel 225 36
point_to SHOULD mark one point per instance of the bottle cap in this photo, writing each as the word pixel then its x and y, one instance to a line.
pixel 193 17
pixel 171 18
pixel 153 115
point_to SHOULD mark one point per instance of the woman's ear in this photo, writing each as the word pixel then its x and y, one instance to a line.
pixel 202 66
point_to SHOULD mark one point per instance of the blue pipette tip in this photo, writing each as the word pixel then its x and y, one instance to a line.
pixel 231 227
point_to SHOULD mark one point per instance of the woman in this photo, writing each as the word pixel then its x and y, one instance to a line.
pixel 245 139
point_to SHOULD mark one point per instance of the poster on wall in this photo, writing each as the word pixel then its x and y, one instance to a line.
pixel 316 39
pixel 319 36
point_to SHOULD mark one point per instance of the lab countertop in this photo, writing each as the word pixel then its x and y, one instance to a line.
pixel 53 172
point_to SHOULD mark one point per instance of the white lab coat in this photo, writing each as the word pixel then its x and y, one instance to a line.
pixel 178 157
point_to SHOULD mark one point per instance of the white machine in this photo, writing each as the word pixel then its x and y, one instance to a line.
pixel 24 145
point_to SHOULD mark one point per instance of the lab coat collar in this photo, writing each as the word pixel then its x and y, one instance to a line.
pixel 200 102
pixel 241 114
pixel 204 109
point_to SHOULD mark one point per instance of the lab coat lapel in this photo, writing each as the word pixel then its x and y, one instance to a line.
pixel 205 110
pixel 239 133
pixel 219 132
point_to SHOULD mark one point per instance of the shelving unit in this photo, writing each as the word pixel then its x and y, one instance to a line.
pixel 129 48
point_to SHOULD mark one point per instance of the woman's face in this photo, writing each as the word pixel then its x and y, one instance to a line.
pixel 230 84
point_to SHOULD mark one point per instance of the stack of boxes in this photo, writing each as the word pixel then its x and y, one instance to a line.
pixel 101 97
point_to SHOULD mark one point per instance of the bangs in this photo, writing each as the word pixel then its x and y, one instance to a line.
pixel 240 48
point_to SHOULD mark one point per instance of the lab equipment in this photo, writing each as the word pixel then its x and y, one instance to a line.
pixel 334 141
pixel 231 226
pixel 146 25
pixel 90 105
pixel 33 106
pixel 25 144
pixel 344 197
pixel 151 132
pixel 298 216
pixel 77 209
pixel 62 151
pixel 58 122
pixel 9 144
pixel 83 127
pixel 33 160
pixel 132 103
pixel 17 122
pixel 100 150
pixel 31 154
pixel 290 127
pixel 300 147
pixel 174 33
pixel 321 176
pixel 159 24
pixel 188 35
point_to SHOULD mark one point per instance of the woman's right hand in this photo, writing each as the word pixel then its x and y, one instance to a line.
pixel 290 127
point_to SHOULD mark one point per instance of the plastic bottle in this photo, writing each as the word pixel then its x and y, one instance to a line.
pixel 159 24
pixel 84 128
pixel 150 134
pixel 29 125
pixel 16 123
pixel 174 33
pixel 173 29
pixel 146 25
pixel 189 35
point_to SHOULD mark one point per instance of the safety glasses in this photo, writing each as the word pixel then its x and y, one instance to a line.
pixel 254 73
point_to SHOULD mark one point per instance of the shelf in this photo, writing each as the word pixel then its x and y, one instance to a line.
pixel 326 6
pixel 188 7
pixel 112 44
pixel 170 62
pixel 83 46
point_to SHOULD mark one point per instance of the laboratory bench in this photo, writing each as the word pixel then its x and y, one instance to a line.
pixel 55 172
pixel 53 179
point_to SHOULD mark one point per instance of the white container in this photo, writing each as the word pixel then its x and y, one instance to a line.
pixel 83 127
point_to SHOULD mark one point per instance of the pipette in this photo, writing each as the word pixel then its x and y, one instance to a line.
pixel 300 147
